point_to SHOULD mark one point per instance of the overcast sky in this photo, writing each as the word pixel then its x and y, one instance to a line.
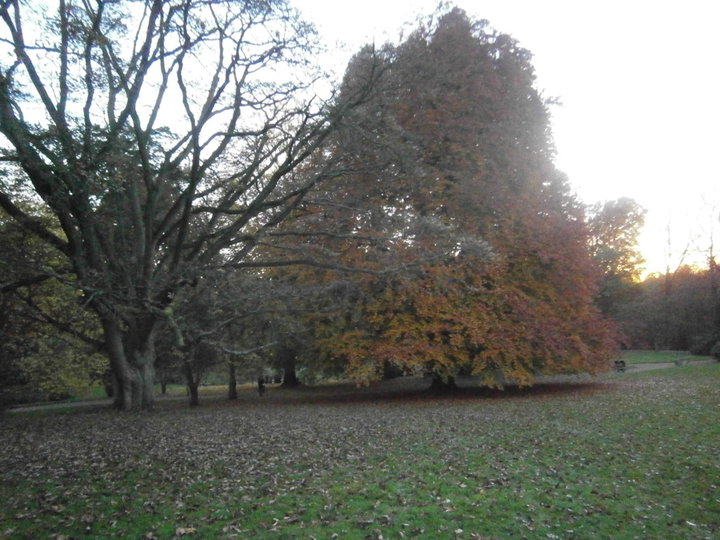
pixel 639 82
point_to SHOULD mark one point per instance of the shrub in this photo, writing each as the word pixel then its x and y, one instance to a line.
pixel 703 345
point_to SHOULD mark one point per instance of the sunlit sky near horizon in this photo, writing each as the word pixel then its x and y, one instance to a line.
pixel 639 82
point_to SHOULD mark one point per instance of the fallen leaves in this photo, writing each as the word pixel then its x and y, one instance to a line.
pixel 533 464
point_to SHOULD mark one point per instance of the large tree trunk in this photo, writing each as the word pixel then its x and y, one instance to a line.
pixel 193 392
pixel 442 385
pixel 285 358
pixel 132 360
pixel 290 378
pixel 232 381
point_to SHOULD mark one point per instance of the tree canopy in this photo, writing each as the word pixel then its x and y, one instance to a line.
pixel 614 229
pixel 163 142
pixel 179 172
pixel 455 159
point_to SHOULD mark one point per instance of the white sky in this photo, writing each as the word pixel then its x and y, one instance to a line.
pixel 640 85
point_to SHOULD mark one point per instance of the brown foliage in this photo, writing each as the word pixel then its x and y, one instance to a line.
pixel 456 166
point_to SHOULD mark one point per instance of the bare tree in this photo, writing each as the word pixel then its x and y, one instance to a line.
pixel 164 138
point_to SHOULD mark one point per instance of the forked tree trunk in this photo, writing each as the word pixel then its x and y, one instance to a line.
pixel 232 381
pixel 132 360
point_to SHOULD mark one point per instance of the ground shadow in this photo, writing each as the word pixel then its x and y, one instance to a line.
pixel 415 390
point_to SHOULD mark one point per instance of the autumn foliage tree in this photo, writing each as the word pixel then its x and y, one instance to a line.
pixel 455 168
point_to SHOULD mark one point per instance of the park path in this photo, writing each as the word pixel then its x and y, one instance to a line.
pixel 108 402
pixel 76 404
pixel 663 365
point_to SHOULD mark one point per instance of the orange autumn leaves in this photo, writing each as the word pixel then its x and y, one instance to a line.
pixel 457 136
pixel 448 325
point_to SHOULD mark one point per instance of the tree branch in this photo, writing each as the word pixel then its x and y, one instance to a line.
pixel 33 225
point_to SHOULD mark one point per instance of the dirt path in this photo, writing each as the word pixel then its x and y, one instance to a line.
pixel 76 404
pixel 664 365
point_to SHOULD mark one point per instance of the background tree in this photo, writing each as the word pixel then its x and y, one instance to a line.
pixel 614 229
pixel 712 344
pixel 192 324
pixel 224 320
pixel 49 344
pixel 679 319
pixel 673 310
pixel 158 137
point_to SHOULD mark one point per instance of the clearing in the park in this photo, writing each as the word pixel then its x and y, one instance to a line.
pixel 621 455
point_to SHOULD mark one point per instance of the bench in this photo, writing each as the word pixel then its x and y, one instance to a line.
pixel 619 366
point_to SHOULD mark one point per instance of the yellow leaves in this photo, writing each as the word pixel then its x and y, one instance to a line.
pixel 56 369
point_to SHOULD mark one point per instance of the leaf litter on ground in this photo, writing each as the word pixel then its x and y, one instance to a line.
pixel 636 454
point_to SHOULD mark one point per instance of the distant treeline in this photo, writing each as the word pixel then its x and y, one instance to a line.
pixel 678 310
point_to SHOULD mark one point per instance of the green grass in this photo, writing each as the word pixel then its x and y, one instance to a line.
pixel 625 456
pixel 91 393
pixel 97 392
pixel 652 357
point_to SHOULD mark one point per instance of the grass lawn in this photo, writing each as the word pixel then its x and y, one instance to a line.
pixel 623 456
pixel 652 357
